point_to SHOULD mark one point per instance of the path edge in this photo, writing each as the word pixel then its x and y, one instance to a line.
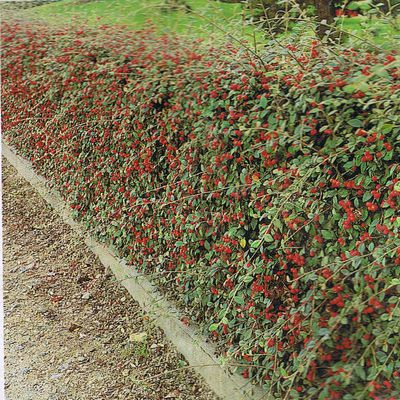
pixel 190 343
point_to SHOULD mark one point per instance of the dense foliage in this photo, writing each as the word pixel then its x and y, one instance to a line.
pixel 263 192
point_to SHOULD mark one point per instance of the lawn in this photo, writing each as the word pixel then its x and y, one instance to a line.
pixel 202 20
pixel 206 19
pixel 376 30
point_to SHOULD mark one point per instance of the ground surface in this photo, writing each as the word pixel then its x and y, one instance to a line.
pixel 207 19
pixel 71 332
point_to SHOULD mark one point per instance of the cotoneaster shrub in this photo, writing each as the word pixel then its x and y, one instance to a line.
pixel 262 192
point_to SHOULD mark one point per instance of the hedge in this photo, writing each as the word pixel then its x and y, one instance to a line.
pixel 260 191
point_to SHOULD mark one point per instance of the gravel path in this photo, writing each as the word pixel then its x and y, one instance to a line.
pixel 71 332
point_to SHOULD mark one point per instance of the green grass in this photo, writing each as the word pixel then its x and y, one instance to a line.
pixel 204 19
pixel 208 19
pixel 376 30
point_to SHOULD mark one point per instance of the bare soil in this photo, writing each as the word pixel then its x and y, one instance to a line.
pixel 71 332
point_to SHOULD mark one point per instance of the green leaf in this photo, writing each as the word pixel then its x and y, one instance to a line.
pixel 362 5
pixel 355 123
pixel 327 234
pixel 268 238
pixel 366 196
pixel 213 327
pixel 247 279
pixel 388 156
pixel 277 223
pixel 239 300
pixel 386 128
pixel 349 88
pixel 247 334
pixel 360 371
pixel 395 282
pixel 283 372
pixel 263 102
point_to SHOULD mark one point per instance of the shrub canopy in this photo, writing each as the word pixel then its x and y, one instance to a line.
pixel 260 192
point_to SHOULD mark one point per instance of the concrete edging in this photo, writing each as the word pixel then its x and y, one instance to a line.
pixel 200 355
